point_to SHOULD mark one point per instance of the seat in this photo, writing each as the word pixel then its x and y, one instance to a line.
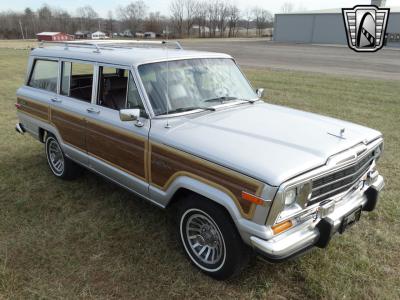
pixel 115 92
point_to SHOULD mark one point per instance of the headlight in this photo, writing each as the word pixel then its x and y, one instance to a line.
pixel 290 196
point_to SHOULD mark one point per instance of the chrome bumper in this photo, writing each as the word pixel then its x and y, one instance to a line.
pixel 317 232
pixel 20 128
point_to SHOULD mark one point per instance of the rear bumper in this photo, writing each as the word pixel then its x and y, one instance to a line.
pixel 317 232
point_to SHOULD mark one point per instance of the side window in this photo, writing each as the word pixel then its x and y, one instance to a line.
pixel 44 75
pixel 113 85
pixel 77 80
pixel 134 100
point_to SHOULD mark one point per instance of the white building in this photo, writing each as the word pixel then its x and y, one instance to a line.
pixel 98 35
pixel 149 35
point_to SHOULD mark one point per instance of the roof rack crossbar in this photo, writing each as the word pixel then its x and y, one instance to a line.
pixel 103 44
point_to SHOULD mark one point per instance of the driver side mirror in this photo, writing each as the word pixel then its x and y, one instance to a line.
pixel 260 93
pixel 129 114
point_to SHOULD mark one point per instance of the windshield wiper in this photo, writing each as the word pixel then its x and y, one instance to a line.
pixel 184 109
pixel 227 98
pixel 221 99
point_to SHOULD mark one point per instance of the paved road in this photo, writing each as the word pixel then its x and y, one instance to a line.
pixel 384 64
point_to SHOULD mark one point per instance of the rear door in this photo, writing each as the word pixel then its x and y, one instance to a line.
pixel 69 107
pixel 35 97
pixel 118 149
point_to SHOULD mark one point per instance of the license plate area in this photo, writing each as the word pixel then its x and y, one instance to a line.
pixel 350 219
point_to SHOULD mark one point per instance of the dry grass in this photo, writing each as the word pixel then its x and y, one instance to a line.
pixel 91 239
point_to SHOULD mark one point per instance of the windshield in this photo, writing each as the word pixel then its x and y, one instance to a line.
pixel 193 83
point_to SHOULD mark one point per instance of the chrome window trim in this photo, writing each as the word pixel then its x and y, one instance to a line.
pixel 153 115
pixel 142 92
pixel 94 89
pixel 278 203
pixel 32 68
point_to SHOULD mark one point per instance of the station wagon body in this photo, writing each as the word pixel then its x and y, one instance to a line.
pixel 243 174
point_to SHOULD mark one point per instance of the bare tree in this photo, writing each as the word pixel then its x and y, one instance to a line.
pixel 248 17
pixel 223 11
pixel 191 7
pixel 201 17
pixel 110 23
pixel 262 18
pixel 287 7
pixel 234 16
pixel 88 18
pixel 177 9
pixel 133 15
pixel 155 22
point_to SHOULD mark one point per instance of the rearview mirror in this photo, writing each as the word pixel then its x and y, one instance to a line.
pixel 129 114
pixel 260 93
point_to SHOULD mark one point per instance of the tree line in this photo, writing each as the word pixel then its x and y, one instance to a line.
pixel 188 18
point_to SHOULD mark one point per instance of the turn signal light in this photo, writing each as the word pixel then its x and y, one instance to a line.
pixel 281 227
pixel 254 199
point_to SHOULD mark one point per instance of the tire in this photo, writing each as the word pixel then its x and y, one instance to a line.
pixel 60 165
pixel 220 252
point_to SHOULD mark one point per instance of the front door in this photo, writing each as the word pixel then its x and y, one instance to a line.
pixel 118 149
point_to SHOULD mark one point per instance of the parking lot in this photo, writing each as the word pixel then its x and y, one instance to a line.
pixel 340 60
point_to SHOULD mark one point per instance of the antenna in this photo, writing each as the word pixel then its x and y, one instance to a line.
pixel 167 98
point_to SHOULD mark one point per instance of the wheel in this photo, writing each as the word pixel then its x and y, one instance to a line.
pixel 60 165
pixel 209 238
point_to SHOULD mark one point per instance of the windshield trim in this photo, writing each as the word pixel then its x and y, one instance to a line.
pixel 210 55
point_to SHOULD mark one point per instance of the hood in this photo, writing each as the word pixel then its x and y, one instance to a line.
pixel 267 142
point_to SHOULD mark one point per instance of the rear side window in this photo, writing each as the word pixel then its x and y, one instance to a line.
pixel 44 75
pixel 77 80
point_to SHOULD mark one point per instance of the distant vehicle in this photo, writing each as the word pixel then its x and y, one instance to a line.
pixel 185 129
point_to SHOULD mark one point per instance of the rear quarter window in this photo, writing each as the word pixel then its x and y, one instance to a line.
pixel 44 75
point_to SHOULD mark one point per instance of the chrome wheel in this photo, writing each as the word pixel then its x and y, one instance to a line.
pixel 204 239
pixel 55 156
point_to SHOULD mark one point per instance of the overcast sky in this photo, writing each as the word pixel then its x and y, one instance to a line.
pixel 103 6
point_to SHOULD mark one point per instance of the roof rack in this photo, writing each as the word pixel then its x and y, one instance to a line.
pixel 109 44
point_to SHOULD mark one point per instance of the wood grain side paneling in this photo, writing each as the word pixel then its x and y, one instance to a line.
pixel 118 147
pixel 34 108
pixel 71 127
pixel 167 163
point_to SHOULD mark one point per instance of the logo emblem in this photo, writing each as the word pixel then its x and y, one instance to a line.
pixel 365 27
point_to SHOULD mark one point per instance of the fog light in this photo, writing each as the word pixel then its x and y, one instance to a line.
pixel 326 209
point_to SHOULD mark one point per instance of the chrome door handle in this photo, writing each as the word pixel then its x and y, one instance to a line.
pixel 55 100
pixel 93 110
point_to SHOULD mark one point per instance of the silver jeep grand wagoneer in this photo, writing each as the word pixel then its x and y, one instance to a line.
pixel 186 129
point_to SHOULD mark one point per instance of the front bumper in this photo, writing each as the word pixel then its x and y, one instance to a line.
pixel 319 231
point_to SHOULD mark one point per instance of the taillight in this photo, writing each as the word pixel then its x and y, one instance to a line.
pixel 17 105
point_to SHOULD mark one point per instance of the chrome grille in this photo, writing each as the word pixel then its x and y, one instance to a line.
pixel 341 180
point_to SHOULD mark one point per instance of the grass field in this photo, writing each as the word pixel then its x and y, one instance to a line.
pixel 91 239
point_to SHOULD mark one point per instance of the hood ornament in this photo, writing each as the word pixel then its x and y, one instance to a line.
pixel 340 135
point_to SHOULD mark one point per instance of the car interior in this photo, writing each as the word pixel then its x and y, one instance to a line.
pixel 113 88
pixel 81 87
